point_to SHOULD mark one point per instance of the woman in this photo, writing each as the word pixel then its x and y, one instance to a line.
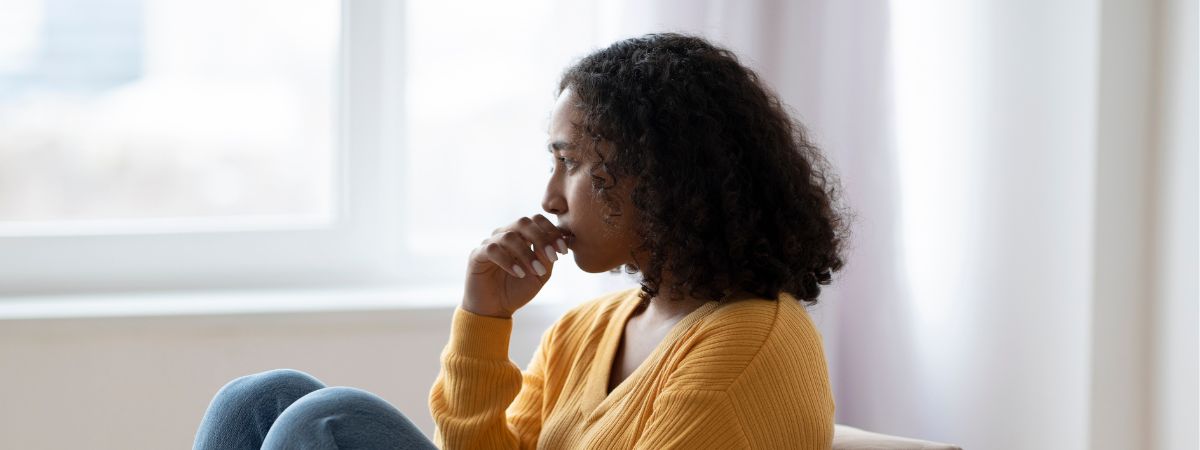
pixel 672 160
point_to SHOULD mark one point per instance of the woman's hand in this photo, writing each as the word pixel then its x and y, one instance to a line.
pixel 504 272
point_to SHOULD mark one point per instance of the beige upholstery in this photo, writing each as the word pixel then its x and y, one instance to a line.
pixel 850 438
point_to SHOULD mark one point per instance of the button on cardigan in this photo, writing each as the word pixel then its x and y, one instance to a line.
pixel 748 374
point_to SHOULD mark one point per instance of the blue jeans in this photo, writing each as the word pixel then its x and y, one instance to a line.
pixel 289 409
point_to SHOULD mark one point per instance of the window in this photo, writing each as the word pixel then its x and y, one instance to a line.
pixel 119 110
pixel 179 145
pixel 174 144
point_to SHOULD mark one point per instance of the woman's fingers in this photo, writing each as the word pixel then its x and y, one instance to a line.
pixel 542 239
pixel 518 245
pixel 558 243
pixel 543 235
pixel 497 254
pixel 533 242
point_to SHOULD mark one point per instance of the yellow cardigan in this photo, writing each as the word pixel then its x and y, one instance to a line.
pixel 743 374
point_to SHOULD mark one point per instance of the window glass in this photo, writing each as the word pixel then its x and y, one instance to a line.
pixel 137 109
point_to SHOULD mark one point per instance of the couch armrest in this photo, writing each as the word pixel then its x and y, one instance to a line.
pixel 850 438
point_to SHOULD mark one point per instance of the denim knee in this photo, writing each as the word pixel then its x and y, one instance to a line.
pixel 338 401
pixel 344 417
pixel 274 381
pixel 243 410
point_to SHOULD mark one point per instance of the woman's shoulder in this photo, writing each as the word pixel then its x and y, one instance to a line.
pixel 757 315
pixel 754 335
pixel 764 355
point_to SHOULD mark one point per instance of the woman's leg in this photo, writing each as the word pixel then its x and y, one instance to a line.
pixel 242 412
pixel 344 418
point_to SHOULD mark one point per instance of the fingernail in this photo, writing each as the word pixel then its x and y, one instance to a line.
pixel 562 246
pixel 539 268
pixel 550 253
pixel 520 272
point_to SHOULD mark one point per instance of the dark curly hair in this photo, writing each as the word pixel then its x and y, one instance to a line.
pixel 733 195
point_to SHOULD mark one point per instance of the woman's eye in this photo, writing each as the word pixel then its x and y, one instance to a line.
pixel 568 163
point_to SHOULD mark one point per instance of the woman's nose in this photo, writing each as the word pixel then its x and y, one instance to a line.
pixel 553 202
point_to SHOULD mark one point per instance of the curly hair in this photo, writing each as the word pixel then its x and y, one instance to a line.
pixel 733 195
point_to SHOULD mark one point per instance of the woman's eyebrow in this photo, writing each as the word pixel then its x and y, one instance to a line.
pixel 558 145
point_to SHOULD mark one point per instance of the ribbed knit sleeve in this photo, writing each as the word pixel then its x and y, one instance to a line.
pixel 478 383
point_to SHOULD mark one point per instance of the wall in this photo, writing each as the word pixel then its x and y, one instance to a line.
pixel 144 383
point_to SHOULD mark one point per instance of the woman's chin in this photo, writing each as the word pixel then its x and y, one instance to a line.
pixel 589 266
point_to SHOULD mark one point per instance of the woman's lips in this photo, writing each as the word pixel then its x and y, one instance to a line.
pixel 568 236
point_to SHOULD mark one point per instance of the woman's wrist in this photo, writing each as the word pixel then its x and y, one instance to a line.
pixel 478 308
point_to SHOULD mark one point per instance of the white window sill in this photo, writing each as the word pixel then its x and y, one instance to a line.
pixel 569 287
pixel 192 303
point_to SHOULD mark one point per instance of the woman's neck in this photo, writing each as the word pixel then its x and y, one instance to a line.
pixel 662 308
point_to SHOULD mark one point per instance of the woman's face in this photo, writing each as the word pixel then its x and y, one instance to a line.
pixel 596 245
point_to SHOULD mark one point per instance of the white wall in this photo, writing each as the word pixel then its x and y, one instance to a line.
pixel 144 383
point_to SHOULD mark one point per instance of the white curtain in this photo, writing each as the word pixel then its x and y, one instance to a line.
pixel 1023 174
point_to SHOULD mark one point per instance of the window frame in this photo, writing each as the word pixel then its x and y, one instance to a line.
pixel 361 245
